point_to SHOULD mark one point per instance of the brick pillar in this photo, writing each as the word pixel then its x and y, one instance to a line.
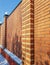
pixel 27 32
pixel 0 33
pixel 5 24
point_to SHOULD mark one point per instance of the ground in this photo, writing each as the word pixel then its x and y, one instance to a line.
pixel 3 61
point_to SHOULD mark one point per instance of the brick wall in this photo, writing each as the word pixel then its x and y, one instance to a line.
pixel 42 31
pixel 22 24
pixel 31 22
pixel 0 34
pixel 14 23
pixel 27 32
pixel 3 33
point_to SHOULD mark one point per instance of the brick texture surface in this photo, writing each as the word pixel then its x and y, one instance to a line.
pixel 42 31
pixel 0 34
pixel 28 30
pixel 14 23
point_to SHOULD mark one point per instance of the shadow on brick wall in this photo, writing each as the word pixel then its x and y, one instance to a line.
pixel 17 46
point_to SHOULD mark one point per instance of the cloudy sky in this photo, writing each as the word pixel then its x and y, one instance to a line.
pixel 6 7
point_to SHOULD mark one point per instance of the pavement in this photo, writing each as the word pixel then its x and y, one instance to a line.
pixel 3 61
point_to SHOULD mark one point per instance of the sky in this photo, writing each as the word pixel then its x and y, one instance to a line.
pixel 6 7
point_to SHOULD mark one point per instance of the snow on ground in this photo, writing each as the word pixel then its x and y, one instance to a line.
pixel 3 61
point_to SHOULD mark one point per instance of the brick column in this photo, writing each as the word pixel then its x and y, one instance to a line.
pixel 27 32
pixel 1 33
pixel 5 24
